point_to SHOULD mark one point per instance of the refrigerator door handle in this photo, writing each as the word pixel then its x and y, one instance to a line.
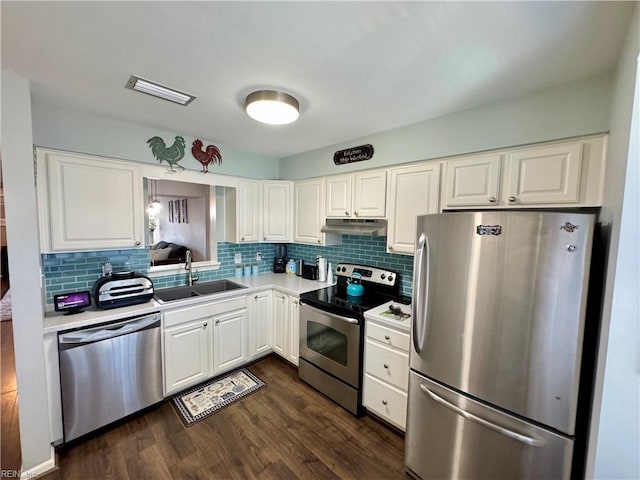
pixel 419 305
pixel 531 441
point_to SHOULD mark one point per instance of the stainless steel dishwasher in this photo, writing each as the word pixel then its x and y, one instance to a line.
pixel 108 372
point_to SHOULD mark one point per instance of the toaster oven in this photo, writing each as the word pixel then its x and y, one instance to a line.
pixel 122 289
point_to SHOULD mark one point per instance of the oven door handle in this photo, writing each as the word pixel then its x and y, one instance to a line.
pixel 339 317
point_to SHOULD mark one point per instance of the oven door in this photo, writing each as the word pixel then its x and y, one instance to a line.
pixel 331 342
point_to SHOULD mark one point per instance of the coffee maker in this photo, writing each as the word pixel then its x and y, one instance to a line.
pixel 280 262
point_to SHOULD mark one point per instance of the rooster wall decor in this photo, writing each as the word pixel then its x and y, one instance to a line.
pixel 210 155
pixel 172 155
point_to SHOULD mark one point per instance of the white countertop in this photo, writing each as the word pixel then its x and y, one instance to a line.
pixel 289 284
pixel 382 314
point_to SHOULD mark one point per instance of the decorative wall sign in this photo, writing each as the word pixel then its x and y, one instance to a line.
pixel 183 210
pixel 355 154
pixel 176 211
pixel 210 155
pixel 172 155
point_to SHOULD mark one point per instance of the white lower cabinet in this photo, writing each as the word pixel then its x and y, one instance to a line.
pixel 229 340
pixel 386 372
pixel 294 329
pixel 261 325
pixel 202 340
pixel 187 354
pixel 286 318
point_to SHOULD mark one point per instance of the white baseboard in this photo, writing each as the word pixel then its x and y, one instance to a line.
pixel 40 469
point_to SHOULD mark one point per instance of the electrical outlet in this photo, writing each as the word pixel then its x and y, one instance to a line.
pixel 238 258
pixel 259 256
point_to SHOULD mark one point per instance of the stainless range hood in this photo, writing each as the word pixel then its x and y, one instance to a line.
pixel 374 228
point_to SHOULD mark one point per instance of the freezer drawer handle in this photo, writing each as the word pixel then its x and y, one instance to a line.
pixel 531 441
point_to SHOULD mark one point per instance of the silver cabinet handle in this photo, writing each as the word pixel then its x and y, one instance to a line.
pixel 512 199
pixel 242 239
pixel 205 325
pixel 384 402
pixel 390 248
pixel 386 337
pixel 264 239
pixel 355 213
pixel 347 214
pixel 319 241
pixel 137 244
pixel 386 365
pixel 255 297
pixel 531 441
pixel 217 322
pixel 492 199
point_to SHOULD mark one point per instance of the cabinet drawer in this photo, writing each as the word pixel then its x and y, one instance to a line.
pixel 388 336
pixel 202 310
pixel 385 401
pixel 388 365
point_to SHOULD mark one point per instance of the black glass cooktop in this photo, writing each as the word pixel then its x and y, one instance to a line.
pixel 334 299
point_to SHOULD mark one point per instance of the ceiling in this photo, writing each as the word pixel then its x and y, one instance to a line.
pixel 357 68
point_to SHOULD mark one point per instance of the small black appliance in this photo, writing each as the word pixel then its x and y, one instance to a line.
pixel 280 262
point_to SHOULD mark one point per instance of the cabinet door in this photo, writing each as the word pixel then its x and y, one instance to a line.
pixel 280 324
pixel 229 340
pixel 277 204
pixel 248 211
pixel 413 191
pixel 91 203
pixel 261 313
pixel 339 197
pixel 472 181
pixel 544 174
pixel 187 355
pixel 370 194
pixel 294 330
pixel 309 211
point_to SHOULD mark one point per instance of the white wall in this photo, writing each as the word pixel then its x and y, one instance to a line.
pixel 24 265
pixel 614 452
pixel 64 128
pixel 554 113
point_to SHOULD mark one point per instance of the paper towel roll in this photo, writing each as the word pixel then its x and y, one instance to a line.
pixel 322 269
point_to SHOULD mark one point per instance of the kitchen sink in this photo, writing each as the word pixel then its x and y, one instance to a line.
pixel 208 288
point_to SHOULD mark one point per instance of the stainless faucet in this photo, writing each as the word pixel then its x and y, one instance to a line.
pixel 187 266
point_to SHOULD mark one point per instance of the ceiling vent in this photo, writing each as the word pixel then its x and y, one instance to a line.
pixel 160 91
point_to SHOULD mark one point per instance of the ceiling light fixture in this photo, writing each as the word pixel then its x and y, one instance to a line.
pixel 155 89
pixel 272 107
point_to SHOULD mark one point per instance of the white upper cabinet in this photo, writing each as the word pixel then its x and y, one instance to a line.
pixel 248 211
pixel 357 195
pixel 548 175
pixel 472 181
pixel 339 198
pixel 413 190
pixel 88 203
pixel 308 207
pixel 277 205
pixel 544 174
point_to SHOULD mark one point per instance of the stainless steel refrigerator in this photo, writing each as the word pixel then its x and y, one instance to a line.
pixel 499 302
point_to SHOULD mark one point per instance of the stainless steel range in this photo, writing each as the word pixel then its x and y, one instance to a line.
pixel 332 332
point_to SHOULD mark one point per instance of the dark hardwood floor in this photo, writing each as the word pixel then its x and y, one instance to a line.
pixel 286 430
pixel 10 458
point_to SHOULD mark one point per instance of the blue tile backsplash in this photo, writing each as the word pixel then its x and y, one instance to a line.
pixel 65 272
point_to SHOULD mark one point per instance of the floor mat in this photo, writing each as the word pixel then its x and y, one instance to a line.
pixel 207 398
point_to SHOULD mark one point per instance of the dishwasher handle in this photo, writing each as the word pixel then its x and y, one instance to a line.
pixel 78 338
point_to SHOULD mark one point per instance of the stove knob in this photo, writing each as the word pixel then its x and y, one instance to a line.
pixel 390 278
pixel 383 276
